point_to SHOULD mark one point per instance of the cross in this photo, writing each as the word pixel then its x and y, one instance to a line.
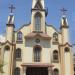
pixel 11 8
pixel 63 10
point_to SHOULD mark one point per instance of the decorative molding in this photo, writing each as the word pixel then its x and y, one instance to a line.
pixel 18 59
pixel 64 27
pixel 19 41
pixel 42 35
pixel 10 25
pixel 55 61
pixel 8 43
pixel 66 44
pixel 37 65
pixel 55 43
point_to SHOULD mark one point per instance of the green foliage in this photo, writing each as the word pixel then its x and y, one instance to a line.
pixel 1 68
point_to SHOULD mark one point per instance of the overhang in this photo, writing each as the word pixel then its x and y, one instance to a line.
pixel 37 65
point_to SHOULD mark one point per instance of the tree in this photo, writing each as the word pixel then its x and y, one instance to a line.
pixel 1 68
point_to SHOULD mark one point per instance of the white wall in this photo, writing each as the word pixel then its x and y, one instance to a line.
pixel 6 67
pixel 67 64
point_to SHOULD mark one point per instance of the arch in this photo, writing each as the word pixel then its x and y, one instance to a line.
pixel 37 20
pixel 19 36
pixel 18 53
pixel 37 53
pixel 55 36
pixel 17 71
pixel 7 47
pixel 56 71
pixel 55 55
pixel 67 49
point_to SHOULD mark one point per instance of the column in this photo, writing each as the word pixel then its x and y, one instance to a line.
pixel 49 70
pixel 24 70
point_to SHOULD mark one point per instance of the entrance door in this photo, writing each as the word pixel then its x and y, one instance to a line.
pixel 37 71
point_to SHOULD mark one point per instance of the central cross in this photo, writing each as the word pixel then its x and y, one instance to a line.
pixel 11 8
pixel 63 10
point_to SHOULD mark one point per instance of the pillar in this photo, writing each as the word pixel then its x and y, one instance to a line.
pixel 49 70
pixel 24 70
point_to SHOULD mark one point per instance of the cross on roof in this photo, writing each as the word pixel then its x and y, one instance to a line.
pixel 11 8
pixel 63 10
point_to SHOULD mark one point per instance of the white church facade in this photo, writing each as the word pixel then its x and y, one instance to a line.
pixel 37 48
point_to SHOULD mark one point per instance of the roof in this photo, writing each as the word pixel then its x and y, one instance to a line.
pixel 23 26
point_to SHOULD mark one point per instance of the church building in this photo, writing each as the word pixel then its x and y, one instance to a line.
pixel 37 48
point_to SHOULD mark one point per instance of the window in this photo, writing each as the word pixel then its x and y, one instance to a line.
pixel 18 53
pixel 55 37
pixel 56 72
pixel 7 48
pixel 38 22
pixel 55 55
pixel 37 40
pixel 17 71
pixel 19 36
pixel 37 54
pixel 67 49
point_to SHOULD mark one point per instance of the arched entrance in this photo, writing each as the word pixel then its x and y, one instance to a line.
pixel 37 71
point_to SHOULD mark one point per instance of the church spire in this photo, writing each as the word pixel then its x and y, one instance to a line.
pixel 64 22
pixel 64 27
pixel 10 25
pixel 38 16
pixel 10 20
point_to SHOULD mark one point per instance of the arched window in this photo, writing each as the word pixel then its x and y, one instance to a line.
pixel 38 22
pixel 55 37
pixel 17 71
pixel 19 36
pixel 7 48
pixel 56 72
pixel 55 55
pixel 18 53
pixel 67 49
pixel 37 54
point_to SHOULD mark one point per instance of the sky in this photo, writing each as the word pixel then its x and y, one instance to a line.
pixel 22 14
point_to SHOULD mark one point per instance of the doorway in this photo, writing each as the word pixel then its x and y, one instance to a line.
pixel 37 71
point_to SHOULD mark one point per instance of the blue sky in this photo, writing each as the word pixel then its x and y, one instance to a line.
pixel 22 13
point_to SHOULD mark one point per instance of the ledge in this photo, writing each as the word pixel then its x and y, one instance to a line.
pixel 55 42
pixel 37 65
pixel 18 59
pixel 55 61
pixel 40 34
pixel 19 41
